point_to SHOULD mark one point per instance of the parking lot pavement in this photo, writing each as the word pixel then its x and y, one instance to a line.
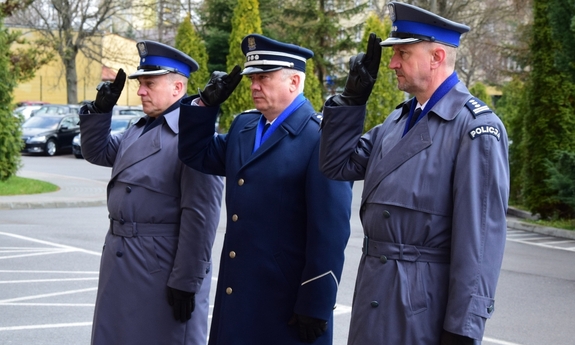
pixel 49 261
pixel 73 192
pixel 50 251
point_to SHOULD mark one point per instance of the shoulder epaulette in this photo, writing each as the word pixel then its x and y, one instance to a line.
pixel 250 111
pixel 317 117
pixel 477 106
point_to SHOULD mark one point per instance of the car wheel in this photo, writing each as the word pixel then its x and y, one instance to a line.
pixel 50 147
pixel 79 156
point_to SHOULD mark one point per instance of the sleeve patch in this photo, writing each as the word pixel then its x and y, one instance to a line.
pixel 482 130
pixel 477 106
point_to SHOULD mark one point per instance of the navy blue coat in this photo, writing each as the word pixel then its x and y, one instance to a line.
pixel 287 224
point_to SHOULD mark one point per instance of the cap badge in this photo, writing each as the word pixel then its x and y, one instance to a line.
pixel 142 50
pixel 251 43
pixel 391 9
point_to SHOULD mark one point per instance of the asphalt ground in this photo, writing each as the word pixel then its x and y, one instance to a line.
pixel 63 309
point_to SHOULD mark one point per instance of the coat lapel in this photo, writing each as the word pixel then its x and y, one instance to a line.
pixel 247 138
pixel 293 125
pixel 382 164
pixel 140 149
pixel 135 148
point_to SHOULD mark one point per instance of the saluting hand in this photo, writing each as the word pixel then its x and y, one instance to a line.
pixel 220 87
pixel 108 94
pixel 363 69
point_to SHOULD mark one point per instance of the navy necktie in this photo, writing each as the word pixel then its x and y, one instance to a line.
pixel 266 127
pixel 414 117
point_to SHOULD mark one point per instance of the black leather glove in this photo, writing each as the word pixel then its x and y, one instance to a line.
pixel 448 338
pixel 183 303
pixel 309 328
pixel 108 94
pixel 220 87
pixel 363 70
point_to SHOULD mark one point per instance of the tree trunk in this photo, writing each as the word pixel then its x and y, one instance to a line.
pixel 71 78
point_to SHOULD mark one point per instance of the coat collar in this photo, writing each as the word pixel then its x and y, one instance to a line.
pixel 417 139
pixel 457 96
pixel 134 148
pixel 292 125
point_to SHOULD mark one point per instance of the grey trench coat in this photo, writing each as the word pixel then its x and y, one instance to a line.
pixel 433 211
pixel 163 219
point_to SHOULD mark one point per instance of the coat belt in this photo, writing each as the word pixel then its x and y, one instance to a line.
pixel 131 229
pixel 404 252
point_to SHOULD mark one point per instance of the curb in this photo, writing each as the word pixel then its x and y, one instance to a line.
pixel 544 230
pixel 514 222
pixel 21 205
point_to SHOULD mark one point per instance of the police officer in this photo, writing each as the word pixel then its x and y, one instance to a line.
pixel 435 192
pixel 287 224
pixel 155 267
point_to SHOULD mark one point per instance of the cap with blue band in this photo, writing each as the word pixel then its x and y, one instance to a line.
pixel 411 24
pixel 157 59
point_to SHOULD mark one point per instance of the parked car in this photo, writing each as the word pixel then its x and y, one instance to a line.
pixel 128 110
pixel 25 111
pixel 56 109
pixel 119 124
pixel 49 134
pixel 22 103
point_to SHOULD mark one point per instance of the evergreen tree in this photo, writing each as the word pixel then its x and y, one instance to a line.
pixel 385 95
pixel 562 19
pixel 312 90
pixel 511 108
pixel 549 122
pixel 10 142
pixel 189 42
pixel 217 18
pixel 317 25
pixel 479 90
pixel 245 21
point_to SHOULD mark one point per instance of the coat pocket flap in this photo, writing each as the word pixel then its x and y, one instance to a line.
pixel 482 306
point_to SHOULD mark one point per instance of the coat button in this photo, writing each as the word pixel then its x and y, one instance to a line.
pixel 232 254
pixel 386 214
pixel 119 254
pixel 235 218
pixel 383 259
pixel 229 291
pixel 490 309
pixel 122 221
pixel 374 304
pixel 241 182
pixel 128 189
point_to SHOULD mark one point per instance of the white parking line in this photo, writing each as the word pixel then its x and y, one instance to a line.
pixel 49 272
pixel 45 280
pixel 70 248
pixel 570 249
pixel 42 251
pixel 46 295
pixel 499 342
pixel 50 304
pixel 54 325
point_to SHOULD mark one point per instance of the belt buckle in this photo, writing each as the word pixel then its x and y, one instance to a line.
pixel 365 248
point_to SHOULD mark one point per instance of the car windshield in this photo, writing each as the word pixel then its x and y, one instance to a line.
pixel 42 122
pixel 120 124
